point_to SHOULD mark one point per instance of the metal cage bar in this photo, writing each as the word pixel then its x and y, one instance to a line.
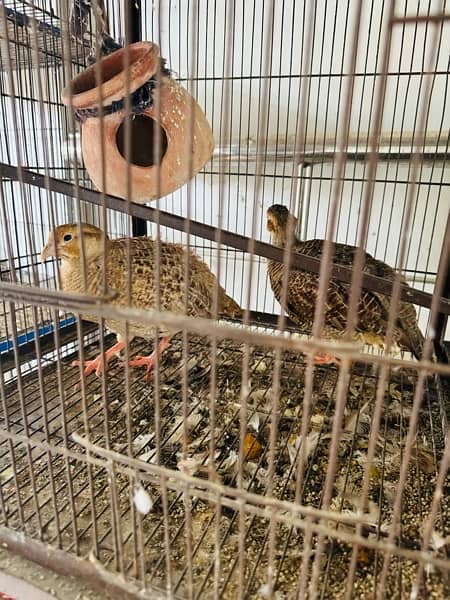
pixel 237 467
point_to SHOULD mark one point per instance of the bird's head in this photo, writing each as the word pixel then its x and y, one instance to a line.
pixel 64 242
pixel 278 220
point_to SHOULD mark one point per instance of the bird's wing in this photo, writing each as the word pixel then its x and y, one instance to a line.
pixel 407 333
pixel 171 259
pixel 301 295
pixel 304 286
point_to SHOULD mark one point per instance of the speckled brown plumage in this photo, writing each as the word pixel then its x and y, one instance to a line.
pixel 303 288
pixel 64 242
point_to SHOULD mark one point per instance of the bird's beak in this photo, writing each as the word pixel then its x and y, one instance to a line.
pixel 49 249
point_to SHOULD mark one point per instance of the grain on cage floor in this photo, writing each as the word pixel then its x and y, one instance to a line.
pixel 109 420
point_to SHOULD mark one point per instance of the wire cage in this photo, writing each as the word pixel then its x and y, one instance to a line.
pixel 240 469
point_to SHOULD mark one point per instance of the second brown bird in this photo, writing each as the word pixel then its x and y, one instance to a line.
pixel 303 287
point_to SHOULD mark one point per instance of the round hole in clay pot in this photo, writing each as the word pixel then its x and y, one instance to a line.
pixel 143 152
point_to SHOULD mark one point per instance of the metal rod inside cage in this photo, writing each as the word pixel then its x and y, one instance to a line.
pixel 239 242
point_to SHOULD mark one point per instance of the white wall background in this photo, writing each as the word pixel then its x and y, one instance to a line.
pixel 230 81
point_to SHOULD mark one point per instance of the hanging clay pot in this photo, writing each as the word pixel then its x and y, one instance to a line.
pixel 185 137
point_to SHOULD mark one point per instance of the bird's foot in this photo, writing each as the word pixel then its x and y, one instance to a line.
pixel 98 364
pixel 91 365
pixel 149 361
pixel 144 361
pixel 322 358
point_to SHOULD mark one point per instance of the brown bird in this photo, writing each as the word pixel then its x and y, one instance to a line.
pixel 303 288
pixel 64 243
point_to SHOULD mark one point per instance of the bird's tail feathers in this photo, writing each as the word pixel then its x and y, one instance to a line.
pixel 229 307
pixel 414 341
pixel 441 353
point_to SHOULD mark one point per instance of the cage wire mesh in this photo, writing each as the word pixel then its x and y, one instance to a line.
pixel 240 469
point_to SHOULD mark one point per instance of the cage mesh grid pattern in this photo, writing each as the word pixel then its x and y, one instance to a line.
pixel 59 526
pixel 68 478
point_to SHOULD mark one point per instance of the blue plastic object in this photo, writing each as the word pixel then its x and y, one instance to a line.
pixel 29 336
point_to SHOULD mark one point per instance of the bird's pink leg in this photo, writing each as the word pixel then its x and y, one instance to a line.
pixel 149 361
pixel 96 364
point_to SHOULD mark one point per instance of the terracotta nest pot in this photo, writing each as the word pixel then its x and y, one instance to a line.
pixel 185 138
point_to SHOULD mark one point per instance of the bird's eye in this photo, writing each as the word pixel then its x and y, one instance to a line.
pixel 67 237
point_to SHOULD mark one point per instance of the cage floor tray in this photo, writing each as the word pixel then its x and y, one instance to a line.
pixel 65 501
